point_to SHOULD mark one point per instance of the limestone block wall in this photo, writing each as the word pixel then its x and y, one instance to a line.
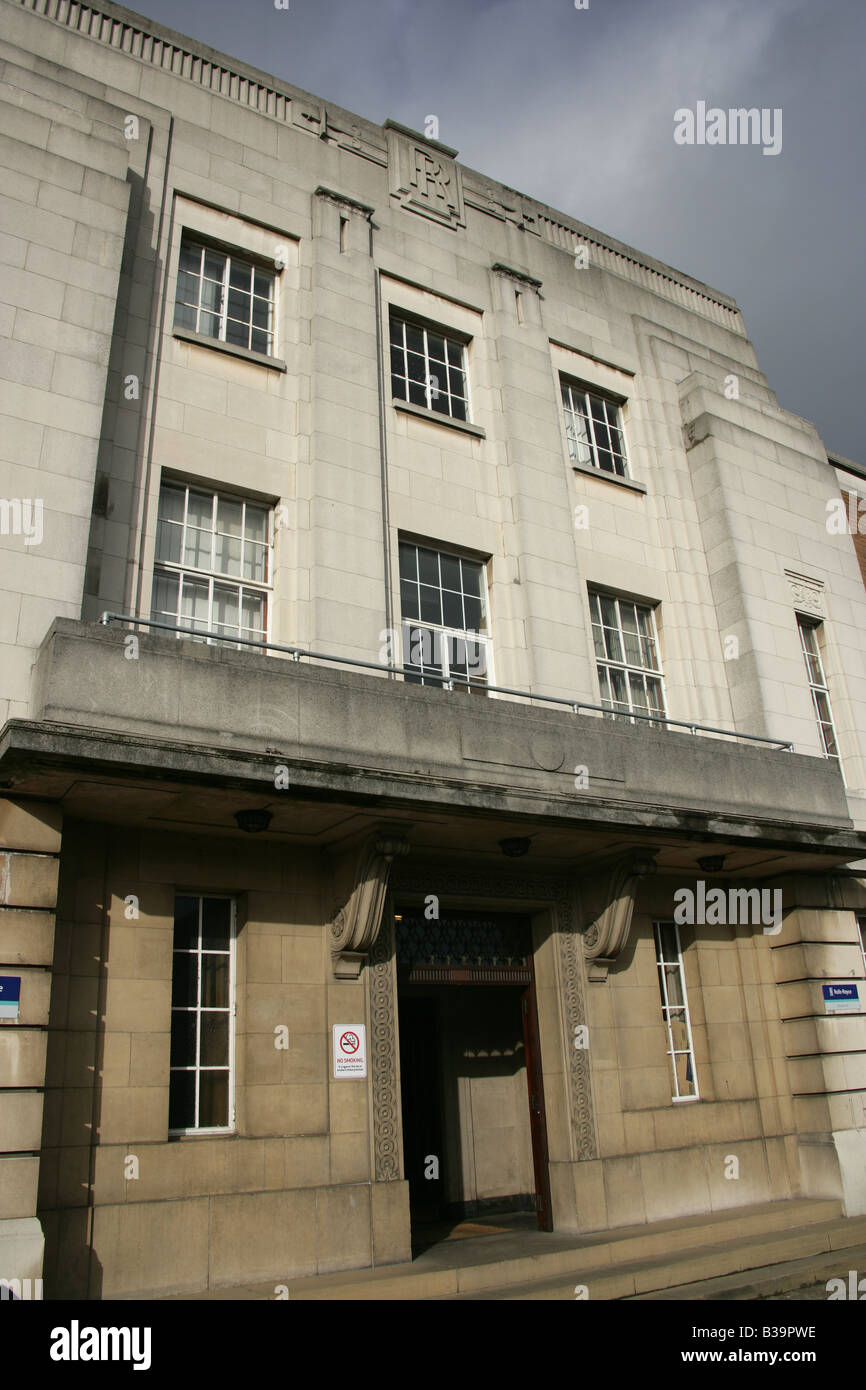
pixel 660 1158
pixel 287 1194
pixel 63 208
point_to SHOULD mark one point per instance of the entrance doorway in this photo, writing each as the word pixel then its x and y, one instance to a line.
pixel 474 1135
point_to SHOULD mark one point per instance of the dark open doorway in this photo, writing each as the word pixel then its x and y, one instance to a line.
pixel 474 1136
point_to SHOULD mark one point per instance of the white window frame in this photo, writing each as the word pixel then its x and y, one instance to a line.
pixel 211 575
pixel 668 1008
pixel 579 391
pixel 430 392
pixel 482 637
pixel 818 687
pixel 249 263
pixel 232 1016
pixel 608 663
pixel 861 923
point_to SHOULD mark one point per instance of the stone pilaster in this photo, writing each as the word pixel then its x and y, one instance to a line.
pixel 29 862
pixel 819 945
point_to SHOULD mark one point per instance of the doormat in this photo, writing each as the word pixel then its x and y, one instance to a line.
pixel 468 1230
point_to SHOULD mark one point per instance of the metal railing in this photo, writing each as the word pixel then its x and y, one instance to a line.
pixel 576 706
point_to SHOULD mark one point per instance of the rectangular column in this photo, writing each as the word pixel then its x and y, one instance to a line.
pixel 29 862
pixel 818 946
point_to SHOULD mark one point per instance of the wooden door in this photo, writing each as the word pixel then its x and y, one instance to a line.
pixel 537 1121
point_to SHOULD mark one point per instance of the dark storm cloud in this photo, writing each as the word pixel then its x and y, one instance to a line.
pixel 576 107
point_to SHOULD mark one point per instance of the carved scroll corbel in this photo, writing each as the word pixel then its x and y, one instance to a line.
pixel 606 938
pixel 356 925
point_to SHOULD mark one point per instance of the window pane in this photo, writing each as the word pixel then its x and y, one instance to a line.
pixel 228 555
pixel 685 1074
pixel 239 306
pixel 165 596
pixel 214 980
pixel 256 562
pixel 408 562
pixel 240 275
pixel 428 566
pixel 253 612
pixel 414 338
pixel 452 609
pixel 185 923
pixel 668 940
pixel 190 256
pixel 185 317
pixel 417 393
pixel 181 1103
pixel 471 573
pixel 184 979
pixel 216 924
pixel 238 334
pixel 474 618
pixel 260 341
pixel 214 1039
pixel 200 509
pixel 171 501
pixel 194 603
pixel 214 265
pixel 263 284
pixel 213 1104
pixel 211 295
pixel 431 604
pixel 183 1038
pixel 416 367
pixel 409 602
pixel 187 288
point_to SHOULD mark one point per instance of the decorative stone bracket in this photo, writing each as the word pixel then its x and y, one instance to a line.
pixel 356 925
pixel 606 938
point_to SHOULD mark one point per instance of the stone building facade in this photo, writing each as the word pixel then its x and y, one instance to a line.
pixel 300 949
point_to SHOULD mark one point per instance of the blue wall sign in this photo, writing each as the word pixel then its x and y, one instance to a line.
pixel 841 999
pixel 10 995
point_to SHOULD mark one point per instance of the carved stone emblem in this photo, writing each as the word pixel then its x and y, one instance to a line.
pixel 424 176
pixel 808 594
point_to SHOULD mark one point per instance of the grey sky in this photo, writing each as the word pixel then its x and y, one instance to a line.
pixel 576 107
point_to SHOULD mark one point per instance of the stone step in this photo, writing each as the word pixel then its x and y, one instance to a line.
pixel 492 1264
pixel 820 1246
pixel 771 1279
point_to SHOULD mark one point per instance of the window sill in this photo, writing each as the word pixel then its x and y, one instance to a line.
pixel 590 472
pixel 438 418
pixel 186 335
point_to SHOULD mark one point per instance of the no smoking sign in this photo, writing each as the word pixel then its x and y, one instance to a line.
pixel 350 1049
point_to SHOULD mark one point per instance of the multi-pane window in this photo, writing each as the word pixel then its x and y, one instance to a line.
pixel 444 609
pixel 626 649
pixel 818 685
pixel 593 427
pixel 213 563
pixel 225 297
pixel 428 369
pixel 202 1014
pixel 675 1011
